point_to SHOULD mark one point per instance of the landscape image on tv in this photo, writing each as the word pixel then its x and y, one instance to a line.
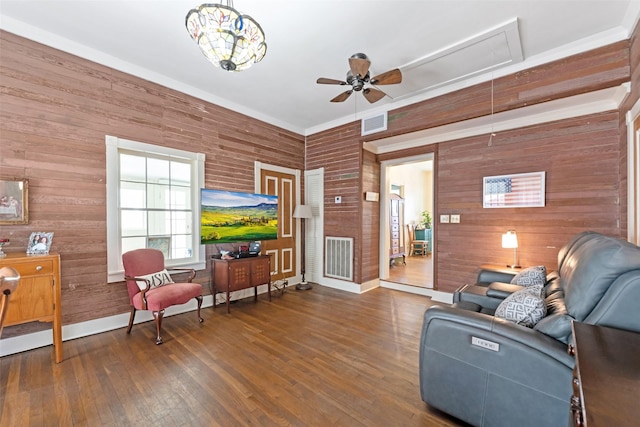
pixel 228 217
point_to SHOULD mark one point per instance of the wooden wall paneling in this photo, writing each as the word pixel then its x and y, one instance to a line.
pixel 370 219
pixel 580 157
pixel 55 110
pixel 596 69
pixel 339 151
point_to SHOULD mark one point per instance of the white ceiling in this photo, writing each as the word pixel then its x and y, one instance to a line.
pixel 439 46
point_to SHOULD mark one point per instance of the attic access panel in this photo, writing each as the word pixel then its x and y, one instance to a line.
pixel 495 48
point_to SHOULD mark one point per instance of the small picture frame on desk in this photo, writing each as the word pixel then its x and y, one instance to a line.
pixel 39 242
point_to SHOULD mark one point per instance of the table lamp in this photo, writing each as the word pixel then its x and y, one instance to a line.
pixel 509 241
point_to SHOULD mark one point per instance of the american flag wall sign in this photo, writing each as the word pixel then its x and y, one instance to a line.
pixel 514 191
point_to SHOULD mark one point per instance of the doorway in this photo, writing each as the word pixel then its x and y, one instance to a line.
pixel 413 180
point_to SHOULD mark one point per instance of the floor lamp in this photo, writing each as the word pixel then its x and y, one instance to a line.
pixel 303 212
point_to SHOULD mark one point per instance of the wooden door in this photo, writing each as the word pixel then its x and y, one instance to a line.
pixel 282 250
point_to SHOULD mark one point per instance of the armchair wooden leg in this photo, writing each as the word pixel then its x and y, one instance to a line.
pixel 131 317
pixel 200 305
pixel 158 316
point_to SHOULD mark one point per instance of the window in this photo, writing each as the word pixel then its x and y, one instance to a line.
pixel 153 201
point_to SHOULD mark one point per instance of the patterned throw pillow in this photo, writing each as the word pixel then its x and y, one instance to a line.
pixel 525 307
pixel 157 279
pixel 531 276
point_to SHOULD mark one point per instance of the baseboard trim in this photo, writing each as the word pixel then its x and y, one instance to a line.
pixel 436 296
pixel 73 331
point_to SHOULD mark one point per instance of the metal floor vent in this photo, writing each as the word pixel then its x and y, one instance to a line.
pixel 374 124
pixel 339 257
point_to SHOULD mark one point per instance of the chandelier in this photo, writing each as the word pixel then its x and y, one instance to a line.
pixel 229 40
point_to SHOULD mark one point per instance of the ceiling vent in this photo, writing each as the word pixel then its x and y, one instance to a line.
pixel 374 124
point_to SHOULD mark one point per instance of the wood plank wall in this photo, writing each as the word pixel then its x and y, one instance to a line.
pixel 634 96
pixel 370 218
pixel 55 110
pixel 582 157
pixel 339 151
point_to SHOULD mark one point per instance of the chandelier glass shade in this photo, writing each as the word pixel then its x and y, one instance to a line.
pixel 230 40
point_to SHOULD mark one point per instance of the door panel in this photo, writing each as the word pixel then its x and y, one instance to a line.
pixel 281 250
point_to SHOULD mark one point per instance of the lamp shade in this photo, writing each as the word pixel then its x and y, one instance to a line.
pixel 510 240
pixel 303 211
pixel 229 39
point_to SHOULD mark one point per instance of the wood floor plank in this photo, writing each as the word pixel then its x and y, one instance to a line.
pixel 308 358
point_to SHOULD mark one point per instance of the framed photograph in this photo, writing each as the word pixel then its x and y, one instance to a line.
pixel 40 242
pixel 522 190
pixel 14 200
pixel 163 244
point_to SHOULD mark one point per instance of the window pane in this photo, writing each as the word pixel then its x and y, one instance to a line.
pixel 181 222
pixel 181 246
pixel 157 171
pixel 180 198
pixel 157 196
pixel 133 223
pixel 131 243
pixel 181 174
pixel 132 195
pixel 132 168
pixel 159 223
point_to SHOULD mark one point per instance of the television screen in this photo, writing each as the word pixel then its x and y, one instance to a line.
pixel 229 217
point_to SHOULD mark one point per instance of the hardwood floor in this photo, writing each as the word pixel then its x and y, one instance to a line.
pixel 309 358
pixel 418 271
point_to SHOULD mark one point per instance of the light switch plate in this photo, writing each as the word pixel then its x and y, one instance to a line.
pixel 444 219
pixel 455 219
pixel 338 199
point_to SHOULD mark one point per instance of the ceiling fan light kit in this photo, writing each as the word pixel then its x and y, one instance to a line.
pixel 230 40
pixel 358 77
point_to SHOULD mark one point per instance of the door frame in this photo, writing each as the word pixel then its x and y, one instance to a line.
pixel 385 183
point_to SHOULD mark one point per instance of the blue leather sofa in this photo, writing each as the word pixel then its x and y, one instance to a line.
pixel 488 371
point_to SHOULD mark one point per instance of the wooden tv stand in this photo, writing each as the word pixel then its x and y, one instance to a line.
pixel 242 273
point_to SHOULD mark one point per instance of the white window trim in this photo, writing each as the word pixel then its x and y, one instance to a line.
pixel 115 269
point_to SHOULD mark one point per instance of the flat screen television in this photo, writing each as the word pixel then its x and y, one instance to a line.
pixel 231 217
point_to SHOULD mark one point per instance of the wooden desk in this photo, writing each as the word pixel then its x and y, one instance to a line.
pixel 37 297
pixel 606 383
pixel 236 274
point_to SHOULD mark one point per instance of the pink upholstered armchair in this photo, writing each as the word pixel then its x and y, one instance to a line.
pixel 151 288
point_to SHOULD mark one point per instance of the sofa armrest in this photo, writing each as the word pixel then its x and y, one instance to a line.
pixel 499 329
pixel 502 290
pixel 486 276
pixel 500 373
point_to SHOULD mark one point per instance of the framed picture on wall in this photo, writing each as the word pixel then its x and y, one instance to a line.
pixel 514 191
pixel 14 198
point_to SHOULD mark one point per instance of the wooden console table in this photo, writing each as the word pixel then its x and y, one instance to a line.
pixel 606 378
pixel 37 297
pixel 242 273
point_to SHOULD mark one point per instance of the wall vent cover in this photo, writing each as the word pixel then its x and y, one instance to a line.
pixel 374 124
pixel 339 257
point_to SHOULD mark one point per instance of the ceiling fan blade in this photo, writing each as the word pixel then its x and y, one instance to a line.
pixel 389 78
pixel 373 95
pixel 342 97
pixel 359 66
pixel 325 81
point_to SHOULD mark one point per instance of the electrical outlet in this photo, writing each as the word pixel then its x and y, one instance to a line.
pixel 444 219
pixel 455 219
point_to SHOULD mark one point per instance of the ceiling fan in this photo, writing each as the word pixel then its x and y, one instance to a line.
pixel 358 76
